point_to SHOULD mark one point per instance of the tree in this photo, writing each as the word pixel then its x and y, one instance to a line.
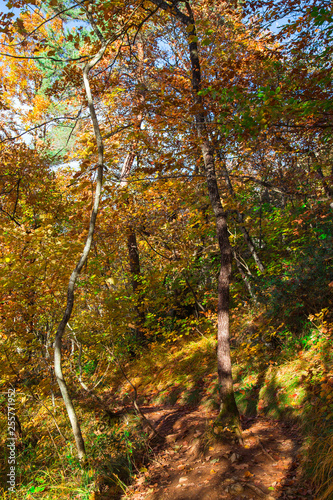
pixel 185 106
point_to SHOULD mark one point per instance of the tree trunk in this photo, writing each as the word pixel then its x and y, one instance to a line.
pixel 228 409
pixel 132 246
pixel 134 262
pixel 72 281
pixel 134 258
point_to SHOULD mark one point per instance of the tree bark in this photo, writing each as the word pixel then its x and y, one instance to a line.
pixel 72 281
pixel 228 409
pixel 134 257
pixel 135 270
pixel 132 246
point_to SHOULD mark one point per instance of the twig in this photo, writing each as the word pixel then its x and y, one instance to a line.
pixel 135 404
pixel 79 377
pixel 42 125
pixel 36 398
pixel 56 448
pixel 257 490
pixel 263 449
pixel 44 22
pixel 265 452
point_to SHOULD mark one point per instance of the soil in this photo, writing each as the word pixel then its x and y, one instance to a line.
pixel 187 463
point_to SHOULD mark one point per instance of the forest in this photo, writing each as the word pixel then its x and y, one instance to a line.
pixel 166 249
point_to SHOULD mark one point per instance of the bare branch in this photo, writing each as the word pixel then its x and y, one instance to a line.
pixel 50 58
pixel 42 125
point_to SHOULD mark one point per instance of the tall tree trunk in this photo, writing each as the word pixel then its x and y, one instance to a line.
pixel 72 281
pixel 132 246
pixel 134 258
pixel 135 270
pixel 228 408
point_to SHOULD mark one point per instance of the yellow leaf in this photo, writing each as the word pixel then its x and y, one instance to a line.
pixel 189 28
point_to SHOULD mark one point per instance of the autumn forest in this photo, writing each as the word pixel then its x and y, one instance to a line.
pixel 166 249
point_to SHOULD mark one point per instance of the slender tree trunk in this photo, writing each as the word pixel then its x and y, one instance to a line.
pixel 132 246
pixel 249 242
pixel 134 257
pixel 72 281
pixel 228 408
pixel 135 270
pixel 240 220
pixel 243 275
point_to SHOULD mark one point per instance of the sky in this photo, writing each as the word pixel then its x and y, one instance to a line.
pixel 3 8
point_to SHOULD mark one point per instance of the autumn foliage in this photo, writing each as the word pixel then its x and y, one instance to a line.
pixel 196 113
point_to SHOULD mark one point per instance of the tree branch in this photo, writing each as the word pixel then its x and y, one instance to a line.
pixel 42 24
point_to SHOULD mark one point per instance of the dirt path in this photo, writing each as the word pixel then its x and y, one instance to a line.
pixel 185 466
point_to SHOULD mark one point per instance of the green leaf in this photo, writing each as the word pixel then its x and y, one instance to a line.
pixel 206 41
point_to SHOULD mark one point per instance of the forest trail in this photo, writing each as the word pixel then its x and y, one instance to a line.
pixel 184 466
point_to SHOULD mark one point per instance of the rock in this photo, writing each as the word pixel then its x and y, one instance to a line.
pixel 236 489
pixel 183 480
pixel 195 448
pixel 171 438
pixel 229 480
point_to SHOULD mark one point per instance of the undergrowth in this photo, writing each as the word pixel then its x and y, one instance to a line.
pixel 293 381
